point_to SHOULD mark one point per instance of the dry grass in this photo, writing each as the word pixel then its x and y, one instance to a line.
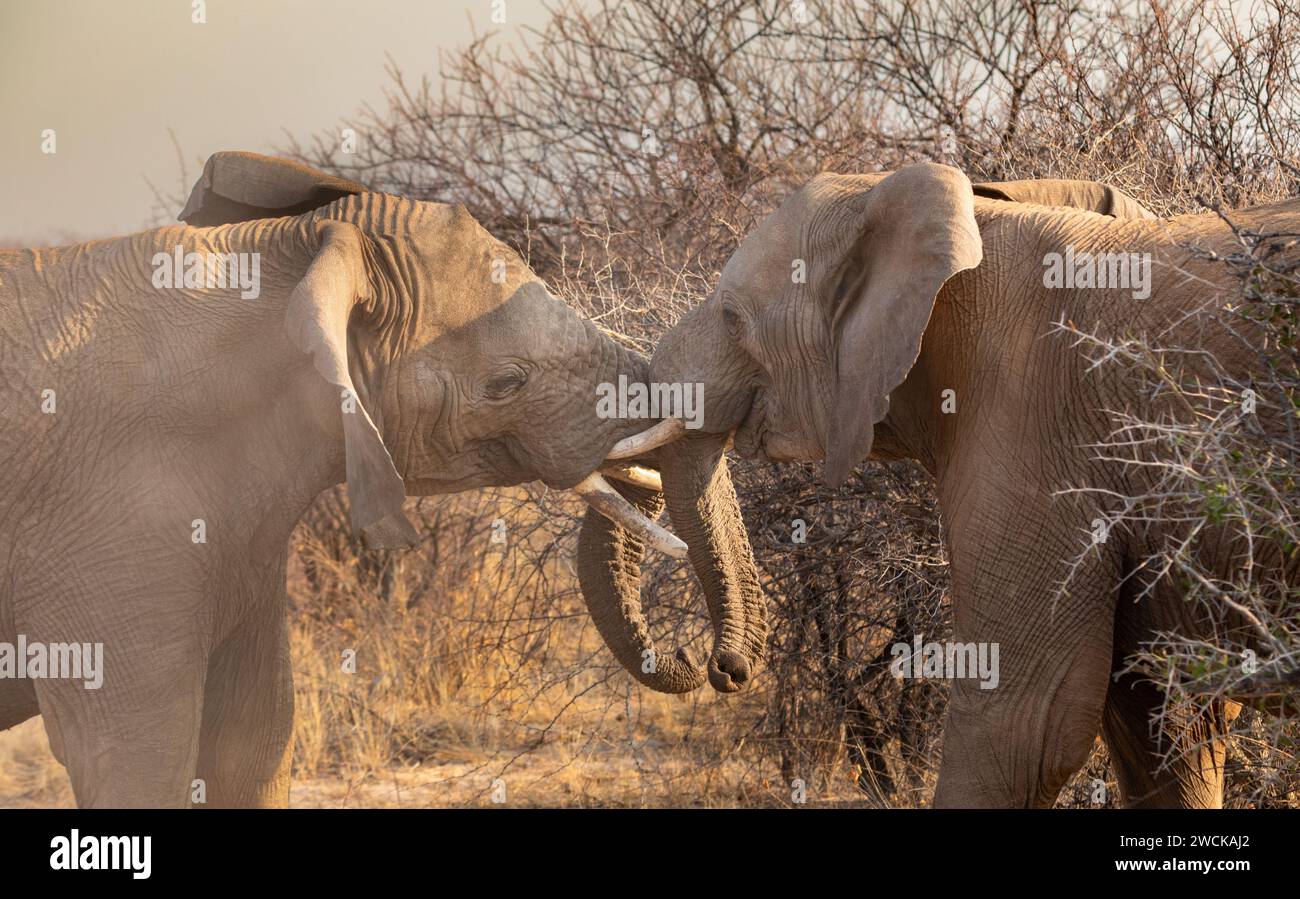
pixel 491 687
pixel 472 689
pixel 30 777
pixel 475 660
pixel 495 674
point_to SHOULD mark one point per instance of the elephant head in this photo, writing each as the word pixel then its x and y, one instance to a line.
pixel 452 364
pixel 789 353
pixel 819 313
pixel 817 317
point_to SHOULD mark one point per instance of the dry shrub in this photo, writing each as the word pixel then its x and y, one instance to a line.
pixel 475 660
pixel 1221 454
pixel 625 150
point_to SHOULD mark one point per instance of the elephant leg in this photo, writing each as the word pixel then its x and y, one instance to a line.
pixel 1191 776
pixel 133 742
pixel 246 742
pixel 125 721
pixel 1016 744
pixel 1017 753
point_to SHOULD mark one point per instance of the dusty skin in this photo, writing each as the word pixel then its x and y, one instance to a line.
pixel 419 342
pixel 920 283
pixel 160 443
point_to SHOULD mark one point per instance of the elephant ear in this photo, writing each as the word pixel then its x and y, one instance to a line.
pixel 238 187
pixel 907 234
pixel 1091 195
pixel 317 322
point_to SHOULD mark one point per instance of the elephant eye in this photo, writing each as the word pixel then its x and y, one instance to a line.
pixel 735 326
pixel 504 383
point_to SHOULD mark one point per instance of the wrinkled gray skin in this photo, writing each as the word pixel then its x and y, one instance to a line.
pixel 702 504
pixel 916 284
pixel 187 404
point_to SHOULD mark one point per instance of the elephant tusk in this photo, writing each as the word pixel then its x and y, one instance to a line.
pixel 597 493
pixel 638 475
pixel 666 431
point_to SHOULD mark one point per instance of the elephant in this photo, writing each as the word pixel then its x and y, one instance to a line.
pixel 838 329
pixel 174 399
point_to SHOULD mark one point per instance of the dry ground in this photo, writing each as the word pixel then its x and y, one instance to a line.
pixel 554 776
pixel 474 678
pixel 470 681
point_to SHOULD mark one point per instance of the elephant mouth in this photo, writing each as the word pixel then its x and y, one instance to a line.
pixel 784 448
pixel 750 440
pixel 503 460
pixel 758 438
pixel 751 437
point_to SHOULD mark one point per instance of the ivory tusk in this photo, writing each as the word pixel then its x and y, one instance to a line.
pixel 638 475
pixel 597 493
pixel 664 432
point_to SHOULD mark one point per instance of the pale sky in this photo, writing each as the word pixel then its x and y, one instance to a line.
pixel 111 77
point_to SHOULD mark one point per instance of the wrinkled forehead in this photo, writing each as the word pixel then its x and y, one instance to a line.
pixel 765 259
pixel 457 269
pixel 447 236
pixel 529 321
pixel 768 257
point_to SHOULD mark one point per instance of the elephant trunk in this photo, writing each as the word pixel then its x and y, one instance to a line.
pixel 610 549
pixel 609 570
pixel 706 514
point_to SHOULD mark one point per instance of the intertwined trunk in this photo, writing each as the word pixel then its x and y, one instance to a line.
pixel 609 570
pixel 705 513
